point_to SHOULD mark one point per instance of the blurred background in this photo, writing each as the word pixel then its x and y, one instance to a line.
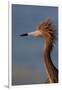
pixel 27 52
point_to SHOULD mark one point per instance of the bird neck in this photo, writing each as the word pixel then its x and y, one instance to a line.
pixel 50 68
pixel 47 49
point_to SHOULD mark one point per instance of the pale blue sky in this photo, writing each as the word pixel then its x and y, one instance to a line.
pixel 27 52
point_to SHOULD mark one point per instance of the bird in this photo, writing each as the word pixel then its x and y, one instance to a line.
pixel 45 29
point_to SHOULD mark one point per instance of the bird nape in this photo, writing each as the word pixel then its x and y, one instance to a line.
pixel 46 30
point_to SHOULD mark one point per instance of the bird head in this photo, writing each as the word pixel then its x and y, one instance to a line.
pixel 45 29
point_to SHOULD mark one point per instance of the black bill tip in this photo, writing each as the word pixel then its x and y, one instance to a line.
pixel 25 34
